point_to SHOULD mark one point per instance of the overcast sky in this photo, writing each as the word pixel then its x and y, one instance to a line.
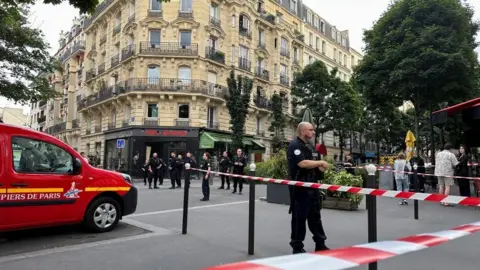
pixel 354 15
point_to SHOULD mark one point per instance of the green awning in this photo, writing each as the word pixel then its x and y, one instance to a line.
pixel 208 139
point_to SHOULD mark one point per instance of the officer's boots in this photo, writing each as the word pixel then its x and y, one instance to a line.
pixel 298 250
pixel 321 246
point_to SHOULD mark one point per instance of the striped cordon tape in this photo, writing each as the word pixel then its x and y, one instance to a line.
pixel 451 199
pixel 388 169
pixel 347 257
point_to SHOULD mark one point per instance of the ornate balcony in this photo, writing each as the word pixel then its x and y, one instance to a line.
pixel 168 48
pixel 128 51
pixel 262 102
pixel 284 80
pixel 245 32
pixel 101 68
pixel 244 64
pixel 215 55
pixel 114 61
pixel 215 21
pixel 182 122
pixel 155 85
pixel 185 14
pixel 155 13
pixel 42 119
pixel 262 73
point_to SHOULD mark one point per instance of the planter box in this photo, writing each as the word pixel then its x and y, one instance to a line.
pixel 278 194
pixel 339 204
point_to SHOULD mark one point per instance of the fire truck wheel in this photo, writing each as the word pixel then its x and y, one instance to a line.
pixel 102 215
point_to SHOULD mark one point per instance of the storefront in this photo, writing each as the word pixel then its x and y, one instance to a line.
pixel 216 143
pixel 127 149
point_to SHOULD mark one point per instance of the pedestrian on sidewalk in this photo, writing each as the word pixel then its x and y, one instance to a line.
pixel 225 165
pixel 206 177
pixel 446 161
pixel 462 170
pixel 161 172
pixel 401 178
pixel 179 165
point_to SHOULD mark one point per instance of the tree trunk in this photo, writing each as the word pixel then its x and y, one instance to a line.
pixel 341 144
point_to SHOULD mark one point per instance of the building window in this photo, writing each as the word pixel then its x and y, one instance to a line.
pixel 214 12
pixel 212 116
pixel 244 23
pixel 311 40
pixel 340 58
pixel 317 44
pixel 185 74
pixel 322 26
pixel 154 36
pixel 309 17
pixel 233 55
pixel 315 22
pixel 185 5
pixel 259 125
pixel 295 54
pixel 153 74
pixel 283 71
pixel 155 4
pixel 243 52
pixel 335 54
pixel 261 37
pixel 352 61
pixel 324 47
pixel 293 6
pixel 345 60
pixel 284 47
pixel 152 111
pixel 183 111
pixel 185 38
pixel 334 34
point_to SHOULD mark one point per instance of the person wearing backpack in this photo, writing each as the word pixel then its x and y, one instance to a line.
pixel 402 167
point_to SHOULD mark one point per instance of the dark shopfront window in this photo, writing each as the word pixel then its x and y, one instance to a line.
pixel 117 159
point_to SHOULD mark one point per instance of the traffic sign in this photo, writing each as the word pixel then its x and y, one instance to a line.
pixel 121 143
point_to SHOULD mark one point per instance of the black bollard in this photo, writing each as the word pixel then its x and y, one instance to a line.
pixel 372 210
pixel 251 212
pixel 415 202
pixel 185 198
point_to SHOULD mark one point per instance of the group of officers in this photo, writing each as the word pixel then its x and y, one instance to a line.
pixel 305 203
pixel 155 169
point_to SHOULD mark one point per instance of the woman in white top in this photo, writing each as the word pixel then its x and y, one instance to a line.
pixel 401 165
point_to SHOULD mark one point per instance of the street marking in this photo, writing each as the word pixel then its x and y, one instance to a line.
pixel 146 226
pixel 158 232
pixel 190 208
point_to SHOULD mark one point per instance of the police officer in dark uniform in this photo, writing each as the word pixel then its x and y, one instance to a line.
pixel 172 168
pixel 305 202
pixel 179 164
pixel 239 163
pixel 153 166
pixel 206 177
pixel 225 165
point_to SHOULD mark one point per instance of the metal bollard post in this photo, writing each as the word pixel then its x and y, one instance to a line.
pixel 251 212
pixel 415 202
pixel 372 210
pixel 185 198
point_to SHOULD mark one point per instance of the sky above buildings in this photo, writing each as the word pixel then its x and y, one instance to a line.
pixel 352 15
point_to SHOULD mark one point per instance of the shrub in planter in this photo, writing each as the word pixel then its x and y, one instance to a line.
pixel 343 178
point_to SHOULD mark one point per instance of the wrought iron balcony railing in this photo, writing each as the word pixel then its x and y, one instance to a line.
pixel 244 64
pixel 128 51
pixel 262 73
pixel 215 55
pixel 168 48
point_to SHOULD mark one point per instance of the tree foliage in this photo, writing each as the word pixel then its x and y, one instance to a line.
pixel 278 124
pixel 345 109
pixel 421 51
pixel 237 103
pixel 23 57
pixel 312 89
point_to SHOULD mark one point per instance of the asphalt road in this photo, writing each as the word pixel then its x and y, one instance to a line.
pixel 217 233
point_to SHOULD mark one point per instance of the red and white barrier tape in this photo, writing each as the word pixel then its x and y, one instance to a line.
pixel 347 257
pixel 451 199
pixel 427 174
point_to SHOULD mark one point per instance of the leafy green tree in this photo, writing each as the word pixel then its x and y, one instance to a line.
pixel 345 110
pixel 23 57
pixel 421 51
pixel 312 88
pixel 238 100
pixel 278 123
